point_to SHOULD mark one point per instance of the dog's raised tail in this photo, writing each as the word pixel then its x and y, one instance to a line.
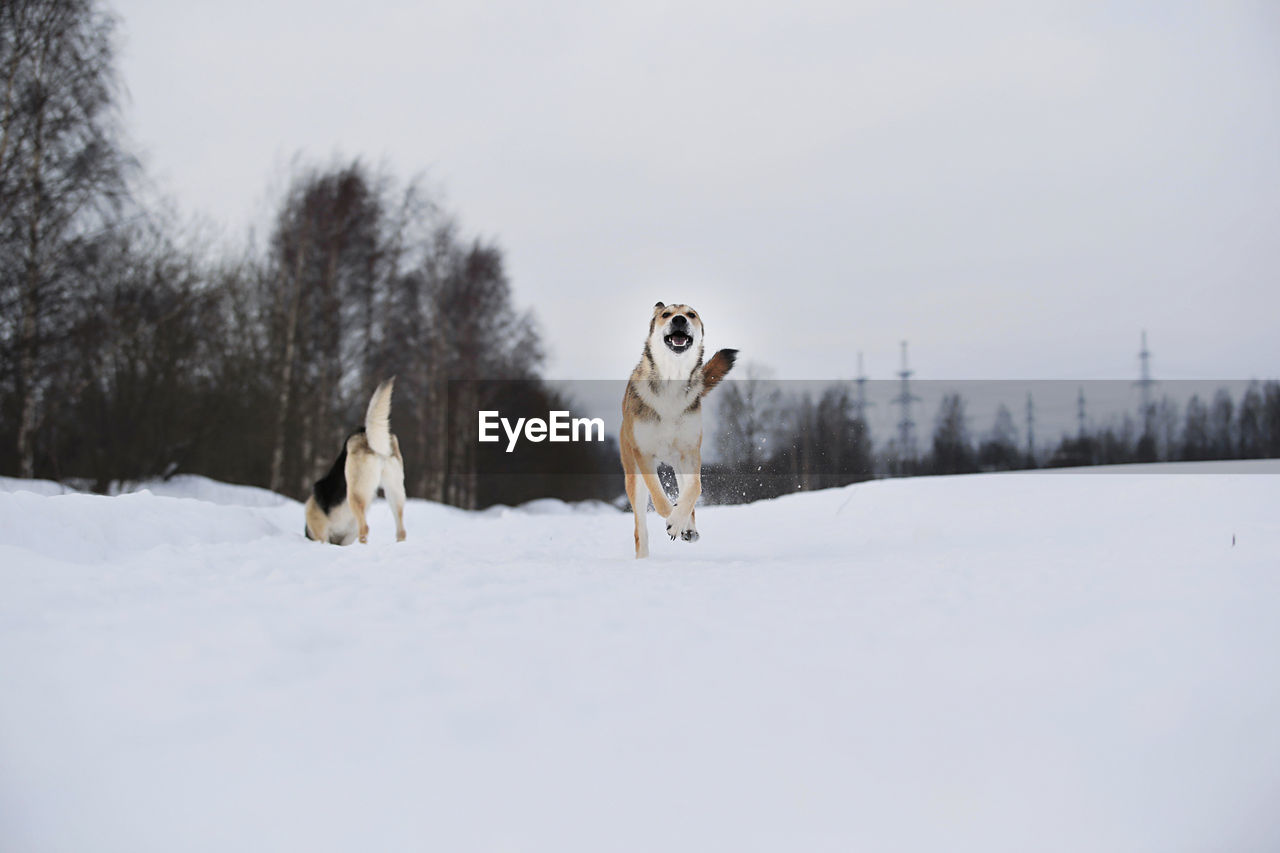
pixel 377 419
pixel 717 368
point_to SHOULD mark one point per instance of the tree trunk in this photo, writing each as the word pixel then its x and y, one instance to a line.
pixel 286 374
pixel 27 392
pixel 28 338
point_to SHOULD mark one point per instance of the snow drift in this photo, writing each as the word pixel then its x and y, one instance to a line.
pixel 994 662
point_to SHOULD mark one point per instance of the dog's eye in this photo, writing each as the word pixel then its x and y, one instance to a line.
pixel 692 316
pixel 666 315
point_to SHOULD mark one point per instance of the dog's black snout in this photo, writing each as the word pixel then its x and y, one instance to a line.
pixel 679 320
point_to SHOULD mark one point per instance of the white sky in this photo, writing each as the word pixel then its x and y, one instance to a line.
pixel 1016 188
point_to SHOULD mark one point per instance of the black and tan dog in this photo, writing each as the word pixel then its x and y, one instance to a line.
pixel 370 458
pixel 662 419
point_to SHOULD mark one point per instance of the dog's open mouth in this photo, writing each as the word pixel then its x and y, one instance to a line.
pixel 678 342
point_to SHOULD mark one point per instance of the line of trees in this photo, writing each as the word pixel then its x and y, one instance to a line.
pixel 1222 430
pixel 1217 429
pixel 771 443
pixel 129 352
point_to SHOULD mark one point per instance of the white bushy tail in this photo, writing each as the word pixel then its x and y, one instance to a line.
pixel 377 420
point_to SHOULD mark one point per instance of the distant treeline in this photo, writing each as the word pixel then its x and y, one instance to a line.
pixel 129 352
pixel 771 443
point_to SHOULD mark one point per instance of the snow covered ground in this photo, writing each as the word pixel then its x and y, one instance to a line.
pixel 996 662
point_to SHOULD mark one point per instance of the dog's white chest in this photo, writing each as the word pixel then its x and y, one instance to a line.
pixel 671 437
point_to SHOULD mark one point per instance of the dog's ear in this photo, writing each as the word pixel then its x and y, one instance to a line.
pixel 660 305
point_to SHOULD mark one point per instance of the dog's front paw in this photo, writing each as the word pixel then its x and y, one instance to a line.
pixel 681 528
pixel 400 536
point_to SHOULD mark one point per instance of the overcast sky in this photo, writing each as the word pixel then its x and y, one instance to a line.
pixel 1016 188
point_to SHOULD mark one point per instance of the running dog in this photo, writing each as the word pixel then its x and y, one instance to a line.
pixel 370 458
pixel 662 419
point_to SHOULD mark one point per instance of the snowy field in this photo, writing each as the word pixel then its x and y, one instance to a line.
pixel 1018 662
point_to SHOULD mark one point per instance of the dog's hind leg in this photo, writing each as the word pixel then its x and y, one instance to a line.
pixel 395 497
pixel 358 507
pixel 637 495
pixel 363 472
pixel 393 486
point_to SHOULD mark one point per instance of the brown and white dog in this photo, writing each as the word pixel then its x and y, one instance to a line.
pixel 370 458
pixel 662 419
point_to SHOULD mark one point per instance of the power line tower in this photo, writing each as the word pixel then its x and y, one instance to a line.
pixel 906 426
pixel 860 404
pixel 1145 383
pixel 1031 430
pixel 1080 419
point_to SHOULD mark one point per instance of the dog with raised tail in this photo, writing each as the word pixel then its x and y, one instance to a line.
pixel 370 458
pixel 662 419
